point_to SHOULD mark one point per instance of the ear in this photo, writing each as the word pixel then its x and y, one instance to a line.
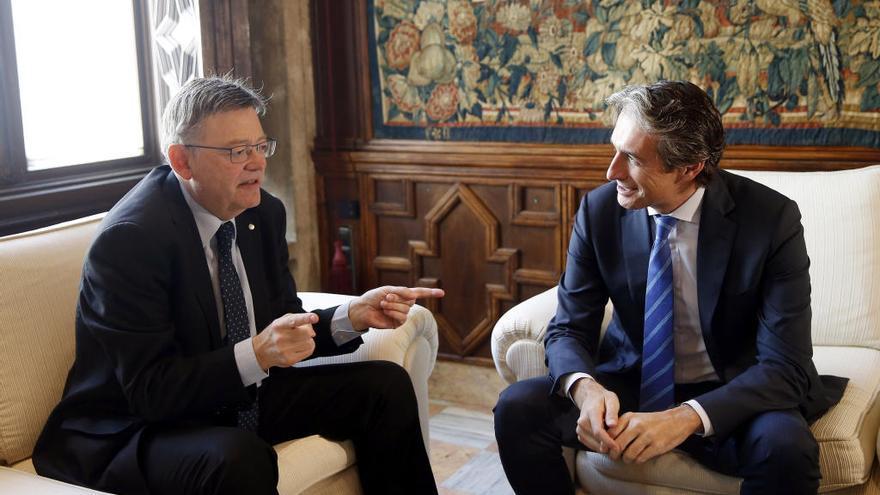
pixel 690 172
pixel 178 158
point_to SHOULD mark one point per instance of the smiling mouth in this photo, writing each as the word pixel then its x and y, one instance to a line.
pixel 250 182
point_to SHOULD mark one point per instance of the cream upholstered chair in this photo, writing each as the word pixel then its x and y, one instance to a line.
pixel 841 218
pixel 40 274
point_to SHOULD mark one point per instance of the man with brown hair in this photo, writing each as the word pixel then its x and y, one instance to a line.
pixel 709 348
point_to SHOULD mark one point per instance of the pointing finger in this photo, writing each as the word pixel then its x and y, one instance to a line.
pixel 416 292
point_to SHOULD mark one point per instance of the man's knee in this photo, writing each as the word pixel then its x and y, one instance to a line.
pixel 243 461
pixel 216 460
pixel 781 442
pixel 520 405
pixel 391 380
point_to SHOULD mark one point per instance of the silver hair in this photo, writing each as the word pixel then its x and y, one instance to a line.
pixel 200 98
pixel 682 116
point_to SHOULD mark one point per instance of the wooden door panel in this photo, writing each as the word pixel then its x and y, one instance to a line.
pixel 480 240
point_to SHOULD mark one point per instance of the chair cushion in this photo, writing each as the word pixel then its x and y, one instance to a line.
pixel 310 461
pixel 672 473
pixel 41 274
pixel 22 481
pixel 846 434
pixel 841 217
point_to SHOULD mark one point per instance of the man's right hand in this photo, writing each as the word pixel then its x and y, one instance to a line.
pixel 286 341
pixel 599 410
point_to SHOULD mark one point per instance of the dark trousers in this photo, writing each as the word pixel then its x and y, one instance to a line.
pixel 775 453
pixel 370 403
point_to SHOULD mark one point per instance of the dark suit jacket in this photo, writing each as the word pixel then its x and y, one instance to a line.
pixel 148 342
pixel 753 287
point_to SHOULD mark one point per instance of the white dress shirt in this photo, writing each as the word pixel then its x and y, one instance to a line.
pixel 245 356
pixel 692 363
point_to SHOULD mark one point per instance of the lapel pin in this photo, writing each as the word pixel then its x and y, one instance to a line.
pixel 251 226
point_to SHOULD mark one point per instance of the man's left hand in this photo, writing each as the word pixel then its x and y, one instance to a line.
pixel 644 436
pixel 387 306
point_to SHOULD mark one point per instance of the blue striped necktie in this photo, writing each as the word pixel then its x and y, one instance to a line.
pixel 234 310
pixel 658 352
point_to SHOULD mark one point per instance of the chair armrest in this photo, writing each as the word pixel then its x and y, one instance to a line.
pixel 518 338
pixel 412 345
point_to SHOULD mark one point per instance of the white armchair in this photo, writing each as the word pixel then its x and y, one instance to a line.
pixel 841 218
pixel 40 272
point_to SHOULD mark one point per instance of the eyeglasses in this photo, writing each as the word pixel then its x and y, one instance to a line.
pixel 240 154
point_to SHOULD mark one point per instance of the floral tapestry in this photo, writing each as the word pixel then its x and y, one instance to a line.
pixel 802 72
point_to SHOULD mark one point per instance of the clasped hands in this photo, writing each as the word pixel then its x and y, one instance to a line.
pixel 290 338
pixel 634 436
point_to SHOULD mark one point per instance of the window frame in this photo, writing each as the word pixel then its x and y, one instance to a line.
pixel 32 199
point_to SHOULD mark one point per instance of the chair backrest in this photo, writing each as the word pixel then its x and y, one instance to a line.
pixel 841 216
pixel 39 283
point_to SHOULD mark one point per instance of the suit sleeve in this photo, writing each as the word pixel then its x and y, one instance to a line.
pixel 780 379
pixel 125 304
pixel 572 338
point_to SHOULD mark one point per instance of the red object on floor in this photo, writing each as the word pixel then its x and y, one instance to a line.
pixel 340 273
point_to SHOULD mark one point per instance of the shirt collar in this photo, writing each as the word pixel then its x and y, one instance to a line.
pixel 689 211
pixel 206 222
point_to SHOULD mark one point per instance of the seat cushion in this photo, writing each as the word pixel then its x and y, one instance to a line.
pixel 847 436
pixel 309 466
pixel 847 433
pixel 313 461
pixel 21 481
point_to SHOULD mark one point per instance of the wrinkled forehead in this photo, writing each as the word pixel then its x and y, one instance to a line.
pixel 234 126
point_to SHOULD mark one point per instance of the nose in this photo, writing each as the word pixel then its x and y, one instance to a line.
pixel 617 167
pixel 256 160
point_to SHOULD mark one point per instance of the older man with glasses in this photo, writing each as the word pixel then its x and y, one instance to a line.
pixel 188 325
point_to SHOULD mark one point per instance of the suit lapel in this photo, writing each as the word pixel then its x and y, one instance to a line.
pixel 717 233
pixel 636 242
pixel 249 241
pixel 191 244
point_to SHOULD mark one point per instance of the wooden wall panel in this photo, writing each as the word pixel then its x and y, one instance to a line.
pixel 480 239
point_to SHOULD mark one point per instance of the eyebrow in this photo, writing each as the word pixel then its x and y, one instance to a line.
pixel 241 142
pixel 628 153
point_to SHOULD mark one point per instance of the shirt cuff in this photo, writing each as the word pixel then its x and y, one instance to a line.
pixel 568 381
pixel 246 361
pixel 704 418
pixel 340 326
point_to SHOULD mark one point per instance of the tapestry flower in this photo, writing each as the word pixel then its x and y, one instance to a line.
pixel 462 22
pixel 514 17
pixel 553 34
pixel 548 79
pixel 402 44
pixel 470 65
pixel 428 12
pixel 443 102
pixel 403 94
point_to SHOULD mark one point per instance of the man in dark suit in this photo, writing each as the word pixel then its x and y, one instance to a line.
pixel 188 325
pixel 709 347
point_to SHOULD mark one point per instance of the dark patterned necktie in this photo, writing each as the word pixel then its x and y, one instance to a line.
pixel 234 310
pixel 658 352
